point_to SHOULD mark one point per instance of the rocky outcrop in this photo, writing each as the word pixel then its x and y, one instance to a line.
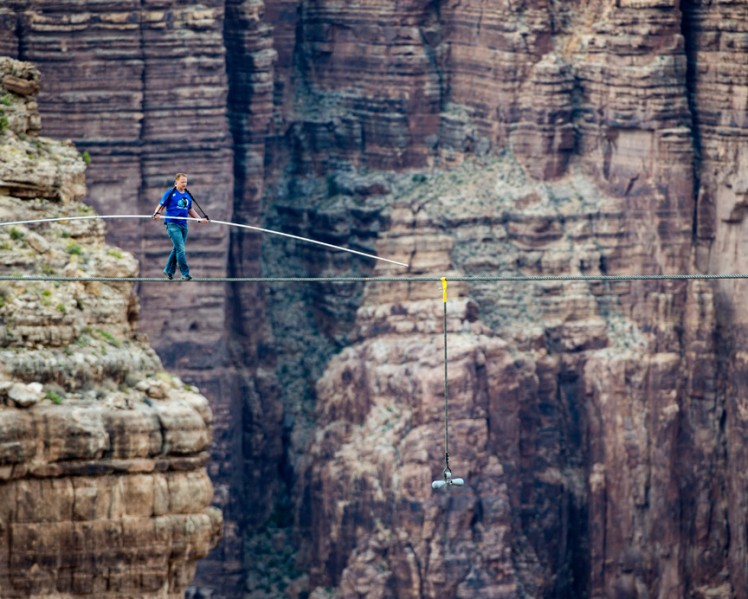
pixel 555 389
pixel 105 491
pixel 559 388
pixel 599 425
pixel 717 86
pixel 151 105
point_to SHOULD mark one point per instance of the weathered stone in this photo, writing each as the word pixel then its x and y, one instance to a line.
pixel 37 242
pixel 156 391
pixel 92 477
pixel 620 131
pixel 20 110
pixel 22 87
pixel 24 396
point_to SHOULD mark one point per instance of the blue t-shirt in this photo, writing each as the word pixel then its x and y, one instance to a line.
pixel 177 204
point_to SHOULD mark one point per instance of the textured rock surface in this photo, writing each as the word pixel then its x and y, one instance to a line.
pixel 568 402
pixel 600 426
pixel 104 489
pixel 718 84
pixel 147 101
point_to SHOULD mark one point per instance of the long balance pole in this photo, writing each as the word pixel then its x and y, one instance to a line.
pixel 218 222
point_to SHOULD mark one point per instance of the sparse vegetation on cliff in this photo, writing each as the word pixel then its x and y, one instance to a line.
pixel 73 377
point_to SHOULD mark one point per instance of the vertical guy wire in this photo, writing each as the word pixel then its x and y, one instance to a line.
pixel 446 388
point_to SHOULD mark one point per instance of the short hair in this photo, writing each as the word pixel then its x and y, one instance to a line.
pixel 178 175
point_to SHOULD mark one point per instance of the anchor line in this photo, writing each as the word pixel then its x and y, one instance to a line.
pixel 446 379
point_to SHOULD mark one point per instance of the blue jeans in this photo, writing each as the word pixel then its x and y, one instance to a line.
pixel 178 236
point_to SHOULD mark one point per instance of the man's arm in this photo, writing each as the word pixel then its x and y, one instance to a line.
pixel 193 213
pixel 162 204
pixel 160 207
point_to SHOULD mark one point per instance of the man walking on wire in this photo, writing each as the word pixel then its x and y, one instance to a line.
pixel 177 202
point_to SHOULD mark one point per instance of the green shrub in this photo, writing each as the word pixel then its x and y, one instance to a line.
pixel 86 157
pixel 5 100
pixel 108 337
pixel 54 397
pixel 74 249
pixel 15 234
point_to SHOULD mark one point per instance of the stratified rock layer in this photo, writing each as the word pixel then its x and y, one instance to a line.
pixel 149 101
pixel 718 80
pixel 570 405
pixel 104 490
pixel 599 425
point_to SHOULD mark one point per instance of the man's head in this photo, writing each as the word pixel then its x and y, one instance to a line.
pixel 180 181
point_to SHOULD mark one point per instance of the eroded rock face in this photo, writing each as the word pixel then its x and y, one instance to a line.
pixel 571 405
pixel 151 105
pixel 719 84
pixel 105 491
pixel 599 425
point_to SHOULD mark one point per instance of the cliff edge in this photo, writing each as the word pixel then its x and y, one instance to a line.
pixel 103 484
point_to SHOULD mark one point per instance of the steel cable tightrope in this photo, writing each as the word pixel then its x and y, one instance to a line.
pixel 447 480
pixel 382 279
pixel 393 279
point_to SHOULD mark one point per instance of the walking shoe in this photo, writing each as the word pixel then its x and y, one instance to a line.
pixel 186 278
pixel 168 276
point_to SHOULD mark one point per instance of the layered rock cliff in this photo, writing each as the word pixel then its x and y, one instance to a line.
pixel 104 489
pixel 599 425
pixel 571 405
pixel 150 101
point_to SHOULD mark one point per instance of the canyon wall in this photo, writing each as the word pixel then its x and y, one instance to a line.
pixel 598 425
pixel 148 101
pixel 718 83
pixel 104 490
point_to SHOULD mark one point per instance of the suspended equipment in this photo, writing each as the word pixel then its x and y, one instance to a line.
pixel 447 479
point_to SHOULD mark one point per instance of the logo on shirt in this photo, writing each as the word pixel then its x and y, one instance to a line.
pixel 182 202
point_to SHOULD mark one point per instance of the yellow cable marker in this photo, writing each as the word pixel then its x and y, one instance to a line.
pixel 446 480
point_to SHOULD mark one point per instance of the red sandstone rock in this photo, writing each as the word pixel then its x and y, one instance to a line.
pixel 103 493
pixel 22 87
pixel 599 425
